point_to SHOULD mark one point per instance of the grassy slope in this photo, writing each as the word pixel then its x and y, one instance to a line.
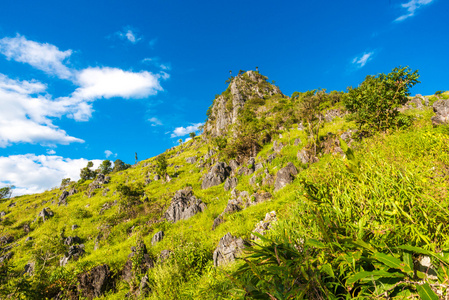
pixel 420 150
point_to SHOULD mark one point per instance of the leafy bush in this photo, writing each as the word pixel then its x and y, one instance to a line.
pixel 375 102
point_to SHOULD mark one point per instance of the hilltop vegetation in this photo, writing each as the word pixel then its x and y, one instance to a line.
pixel 344 205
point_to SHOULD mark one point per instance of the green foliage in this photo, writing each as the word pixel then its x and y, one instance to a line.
pixel 161 165
pixel 120 166
pixel 6 192
pixel 86 173
pixel 192 135
pixel 375 102
pixel 105 167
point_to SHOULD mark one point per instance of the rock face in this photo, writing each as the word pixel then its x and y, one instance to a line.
pixel 157 237
pixel 230 183
pixel 145 263
pixel 97 184
pixel 332 114
pixel 63 198
pixel 305 157
pixel 216 175
pixel 74 253
pixel 45 214
pixel 277 146
pixel 441 109
pixel 70 240
pixel 228 249
pixel 183 206
pixel 263 226
pixel 96 282
pixel 225 109
pixel 285 176
pixel 191 160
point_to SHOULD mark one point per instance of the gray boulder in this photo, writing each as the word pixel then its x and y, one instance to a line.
pixel 217 175
pixel 63 198
pixel 2 213
pixel 305 157
pixel 285 176
pixel 232 206
pixel 263 226
pixel 257 198
pixel 70 240
pixel 157 237
pixel 145 264
pixel 29 268
pixel 6 257
pixel 45 214
pixel 95 282
pixel 230 183
pixel 183 206
pixel 441 109
pixel 191 160
pixel 277 146
pixel 233 164
pixel 74 253
pixel 228 249
pixel 218 220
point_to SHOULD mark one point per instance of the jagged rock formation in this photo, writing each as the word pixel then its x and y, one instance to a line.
pixel 145 263
pixel 74 253
pixel 157 237
pixel 217 175
pixel 183 206
pixel 441 109
pixel 263 226
pixel 95 282
pixel 228 249
pixel 285 176
pixel 225 109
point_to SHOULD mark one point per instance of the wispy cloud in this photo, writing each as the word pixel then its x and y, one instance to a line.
pixel 129 34
pixel 42 56
pixel 155 121
pixel 411 7
pixel 156 61
pixel 110 153
pixel 182 131
pixel 51 151
pixel 42 172
pixel 360 61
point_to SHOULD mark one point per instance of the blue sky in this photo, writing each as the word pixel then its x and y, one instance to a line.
pixel 90 80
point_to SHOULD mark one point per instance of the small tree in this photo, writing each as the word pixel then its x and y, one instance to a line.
pixel 180 141
pixel 86 173
pixel 105 167
pixel 374 104
pixel 161 165
pixel 136 157
pixel 192 135
pixel 119 165
pixel 65 182
pixel 6 192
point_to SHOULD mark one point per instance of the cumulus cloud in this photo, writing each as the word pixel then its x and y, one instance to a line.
pixel 51 151
pixel 129 35
pixel 411 7
pixel 360 61
pixel 42 56
pixel 182 131
pixel 42 172
pixel 25 114
pixel 155 121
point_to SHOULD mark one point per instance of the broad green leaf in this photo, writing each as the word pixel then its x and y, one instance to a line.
pixel 373 275
pixel 425 292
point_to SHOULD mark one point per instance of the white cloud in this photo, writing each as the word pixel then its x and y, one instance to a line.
pixel 42 56
pixel 25 114
pixel 51 151
pixel 155 121
pixel 182 131
pixel 110 153
pixel 412 6
pixel 128 34
pixel 156 61
pixel 34 174
pixel 361 61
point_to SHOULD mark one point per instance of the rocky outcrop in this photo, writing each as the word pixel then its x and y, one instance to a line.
pixel 145 262
pixel 63 198
pixel 74 253
pixel 218 220
pixel 306 157
pixel 277 146
pixel 97 184
pixel 226 107
pixel 29 268
pixel 285 176
pixel 228 249
pixel 183 206
pixel 45 214
pixel 95 282
pixel 216 175
pixel 70 240
pixel 331 114
pixel 230 183
pixel 191 160
pixel 441 109
pixel 263 226
pixel 157 237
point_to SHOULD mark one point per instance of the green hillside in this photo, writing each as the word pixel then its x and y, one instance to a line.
pixel 361 210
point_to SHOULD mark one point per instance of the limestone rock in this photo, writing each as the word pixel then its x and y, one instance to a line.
pixel 218 220
pixel 183 206
pixel 95 282
pixel 277 146
pixel 216 176
pixel 97 184
pixel 232 206
pixel 285 176
pixel 45 214
pixel 191 160
pixel 263 226
pixel 157 237
pixel 233 164
pixel 74 253
pixel 145 264
pixel 228 249
pixel 70 240
pixel 257 198
pixel 29 268
pixel 297 141
pixel 63 198
pixel 305 157
pixel 441 109
pixel 230 183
